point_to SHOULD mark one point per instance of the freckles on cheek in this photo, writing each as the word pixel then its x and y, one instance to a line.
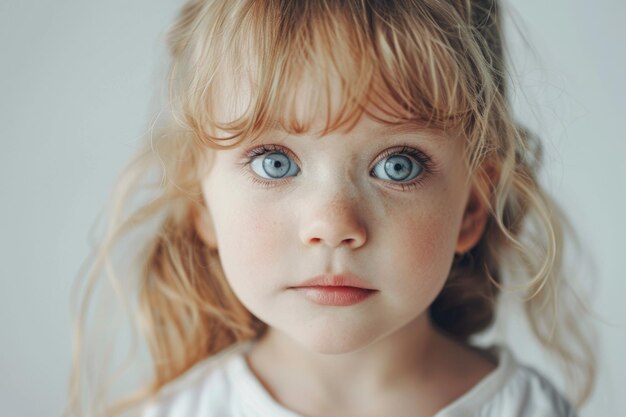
pixel 422 240
pixel 427 244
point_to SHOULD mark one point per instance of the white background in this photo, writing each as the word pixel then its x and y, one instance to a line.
pixel 78 86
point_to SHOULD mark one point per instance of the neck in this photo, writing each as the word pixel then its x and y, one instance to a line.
pixel 405 358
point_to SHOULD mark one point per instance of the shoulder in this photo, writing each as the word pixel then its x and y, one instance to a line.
pixel 512 390
pixel 205 389
pixel 529 393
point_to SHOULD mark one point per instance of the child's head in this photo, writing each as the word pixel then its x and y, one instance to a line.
pixel 394 157
pixel 349 84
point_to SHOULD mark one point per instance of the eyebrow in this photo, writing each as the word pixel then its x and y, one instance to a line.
pixel 413 128
pixel 419 130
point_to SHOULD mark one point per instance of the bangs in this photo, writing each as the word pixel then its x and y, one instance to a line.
pixel 321 66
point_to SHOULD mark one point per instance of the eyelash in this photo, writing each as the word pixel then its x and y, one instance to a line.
pixel 420 157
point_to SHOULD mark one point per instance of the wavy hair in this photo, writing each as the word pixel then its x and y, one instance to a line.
pixel 438 63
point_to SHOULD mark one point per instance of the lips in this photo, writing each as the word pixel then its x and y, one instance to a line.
pixel 336 280
pixel 335 296
pixel 335 290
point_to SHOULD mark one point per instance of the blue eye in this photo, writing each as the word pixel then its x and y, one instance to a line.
pixel 397 167
pixel 274 165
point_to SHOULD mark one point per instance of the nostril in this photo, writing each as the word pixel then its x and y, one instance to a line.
pixel 348 241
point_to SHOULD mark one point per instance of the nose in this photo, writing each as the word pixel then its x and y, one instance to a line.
pixel 335 222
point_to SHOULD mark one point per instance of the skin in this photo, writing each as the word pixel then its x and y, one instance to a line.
pixel 381 356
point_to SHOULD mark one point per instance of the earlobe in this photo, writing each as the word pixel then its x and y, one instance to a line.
pixel 204 224
pixel 472 226
pixel 475 216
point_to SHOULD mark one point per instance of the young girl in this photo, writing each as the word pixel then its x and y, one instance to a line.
pixel 342 195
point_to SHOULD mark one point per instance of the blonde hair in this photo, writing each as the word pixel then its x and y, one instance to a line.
pixel 438 63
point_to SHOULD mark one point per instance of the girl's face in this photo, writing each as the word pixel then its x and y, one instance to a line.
pixel 387 204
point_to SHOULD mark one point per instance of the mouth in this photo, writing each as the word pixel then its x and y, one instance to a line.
pixel 339 296
pixel 345 280
pixel 339 290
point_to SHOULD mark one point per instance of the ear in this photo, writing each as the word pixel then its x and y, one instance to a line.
pixel 476 211
pixel 204 224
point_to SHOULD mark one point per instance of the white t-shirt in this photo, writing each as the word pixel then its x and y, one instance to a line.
pixel 224 386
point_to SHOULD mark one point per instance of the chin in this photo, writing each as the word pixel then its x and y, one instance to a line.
pixel 333 339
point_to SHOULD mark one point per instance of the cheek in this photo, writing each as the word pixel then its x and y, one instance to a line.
pixel 249 239
pixel 424 246
pixel 435 232
pixel 428 243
